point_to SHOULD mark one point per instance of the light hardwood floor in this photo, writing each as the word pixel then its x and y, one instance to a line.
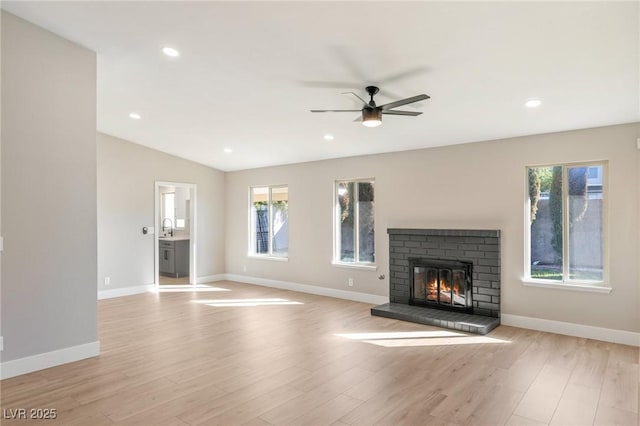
pixel 173 281
pixel 210 357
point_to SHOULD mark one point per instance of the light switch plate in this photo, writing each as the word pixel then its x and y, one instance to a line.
pixel 1 243
pixel 1 343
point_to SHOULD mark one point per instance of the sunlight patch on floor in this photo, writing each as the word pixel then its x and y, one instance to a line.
pixel 221 303
pixel 188 288
pixel 437 341
pixel 399 334
pixel 419 338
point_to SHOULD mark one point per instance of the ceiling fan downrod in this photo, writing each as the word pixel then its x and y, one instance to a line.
pixel 372 90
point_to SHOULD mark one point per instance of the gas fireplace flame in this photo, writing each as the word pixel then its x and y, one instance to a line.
pixel 446 286
pixel 432 290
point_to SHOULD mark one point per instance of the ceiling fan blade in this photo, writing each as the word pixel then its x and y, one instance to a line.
pixel 336 110
pixel 393 95
pixel 422 69
pixel 354 94
pixel 393 112
pixel 358 118
pixel 346 57
pixel 330 84
pixel 404 102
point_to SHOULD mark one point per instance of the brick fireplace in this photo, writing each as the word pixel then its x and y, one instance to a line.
pixel 415 288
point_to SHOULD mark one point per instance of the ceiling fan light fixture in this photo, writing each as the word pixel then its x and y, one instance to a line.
pixel 371 123
pixel 371 117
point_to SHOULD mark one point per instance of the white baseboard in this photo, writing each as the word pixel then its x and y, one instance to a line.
pixel 32 363
pixel 571 329
pixel 285 285
pixel 130 291
pixel 311 289
pixel 210 278
pixel 125 291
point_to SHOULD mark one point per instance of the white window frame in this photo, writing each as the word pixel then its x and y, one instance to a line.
pixel 336 227
pixel 252 225
pixel 598 286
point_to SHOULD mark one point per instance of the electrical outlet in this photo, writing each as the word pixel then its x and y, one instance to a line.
pixel 350 282
pixel 107 280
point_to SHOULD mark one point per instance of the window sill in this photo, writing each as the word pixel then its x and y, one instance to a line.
pixel 267 257
pixel 355 266
pixel 590 288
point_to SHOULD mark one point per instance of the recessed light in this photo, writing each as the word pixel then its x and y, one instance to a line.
pixel 135 116
pixel 533 103
pixel 170 51
pixel 329 137
pixel 228 150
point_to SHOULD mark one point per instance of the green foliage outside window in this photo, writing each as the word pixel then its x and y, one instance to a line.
pixel 534 191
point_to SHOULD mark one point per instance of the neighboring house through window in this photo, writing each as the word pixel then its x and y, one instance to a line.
pixel 269 221
pixel 567 231
pixel 354 222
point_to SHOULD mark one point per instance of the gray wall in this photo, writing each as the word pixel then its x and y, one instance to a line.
pixel 126 177
pixel 49 264
pixel 473 186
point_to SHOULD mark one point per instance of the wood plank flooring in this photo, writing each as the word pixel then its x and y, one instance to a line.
pixel 236 354
pixel 173 281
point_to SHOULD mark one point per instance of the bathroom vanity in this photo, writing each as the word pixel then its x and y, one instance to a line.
pixel 174 256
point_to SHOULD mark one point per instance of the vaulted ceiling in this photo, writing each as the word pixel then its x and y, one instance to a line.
pixel 249 72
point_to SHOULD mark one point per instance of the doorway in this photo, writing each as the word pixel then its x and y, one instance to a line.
pixel 175 236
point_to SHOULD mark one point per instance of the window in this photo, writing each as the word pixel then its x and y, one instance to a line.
pixel 269 221
pixel 168 212
pixel 565 210
pixel 354 222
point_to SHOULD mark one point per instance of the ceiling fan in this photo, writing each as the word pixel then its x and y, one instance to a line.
pixel 372 113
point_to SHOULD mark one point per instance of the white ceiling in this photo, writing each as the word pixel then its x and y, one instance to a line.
pixel 249 73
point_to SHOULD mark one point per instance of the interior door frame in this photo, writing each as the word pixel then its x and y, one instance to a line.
pixel 193 235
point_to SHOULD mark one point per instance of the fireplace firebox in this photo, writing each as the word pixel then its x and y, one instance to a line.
pixel 441 284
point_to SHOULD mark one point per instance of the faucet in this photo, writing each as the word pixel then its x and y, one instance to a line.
pixel 170 225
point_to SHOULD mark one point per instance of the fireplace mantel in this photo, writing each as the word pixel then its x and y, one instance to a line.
pixel 484 233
